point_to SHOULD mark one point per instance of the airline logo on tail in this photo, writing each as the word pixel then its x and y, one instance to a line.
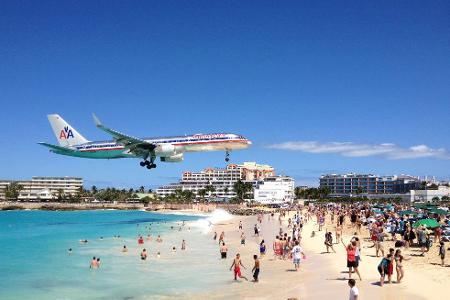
pixel 66 133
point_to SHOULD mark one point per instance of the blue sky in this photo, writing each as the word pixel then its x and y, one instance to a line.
pixel 318 86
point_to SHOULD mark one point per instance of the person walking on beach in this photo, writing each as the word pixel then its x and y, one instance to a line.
pixel 242 239
pixel 383 268
pixel 398 257
pixel 223 251
pixel 256 230
pixel 237 263
pixel 329 241
pixel 221 237
pixel 255 269
pixel 442 252
pixel 215 235
pixel 183 245
pixel 379 243
pixel 351 259
pixel 354 292
pixel 262 249
pixel 240 225
pixel 297 254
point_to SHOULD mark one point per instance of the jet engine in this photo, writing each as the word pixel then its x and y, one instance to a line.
pixel 173 158
pixel 165 150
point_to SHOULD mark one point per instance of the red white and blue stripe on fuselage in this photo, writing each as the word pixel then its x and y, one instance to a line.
pixel 197 142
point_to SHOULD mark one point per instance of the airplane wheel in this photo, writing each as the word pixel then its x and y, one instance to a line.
pixel 153 165
pixel 147 163
pixel 142 163
pixel 227 159
pixel 149 167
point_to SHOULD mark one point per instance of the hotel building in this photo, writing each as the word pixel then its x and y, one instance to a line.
pixel 222 180
pixel 342 185
pixel 44 188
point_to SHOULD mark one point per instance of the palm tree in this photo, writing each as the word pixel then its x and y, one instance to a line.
pixel 60 194
pixel 12 190
pixel 94 190
pixel 141 189
pixel 210 189
pixel 202 194
pixel 241 189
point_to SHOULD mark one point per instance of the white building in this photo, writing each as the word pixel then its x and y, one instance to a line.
pixel 428 195
pixel 44 188
pixel 275 190
pixel 222 180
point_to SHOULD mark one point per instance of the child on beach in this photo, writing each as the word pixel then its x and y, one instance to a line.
pixel 237 263
pixel 354 292
pixel 297 253
pixel 255 269
pixel 262 248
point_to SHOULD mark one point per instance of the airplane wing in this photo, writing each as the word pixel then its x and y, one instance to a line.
pixel 135 145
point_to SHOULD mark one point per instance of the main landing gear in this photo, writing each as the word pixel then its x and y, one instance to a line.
pixel 227 156
pixel 148 164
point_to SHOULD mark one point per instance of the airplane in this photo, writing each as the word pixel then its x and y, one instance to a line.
pixel 168 149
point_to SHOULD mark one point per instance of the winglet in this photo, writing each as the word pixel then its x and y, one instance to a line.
pixel 97 121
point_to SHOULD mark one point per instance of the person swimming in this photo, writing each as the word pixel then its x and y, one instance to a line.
pixel 69 251
pixel 83 241
pixel 124 249
pixel 93 264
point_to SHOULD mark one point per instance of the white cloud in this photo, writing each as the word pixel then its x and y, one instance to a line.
pixel 350 149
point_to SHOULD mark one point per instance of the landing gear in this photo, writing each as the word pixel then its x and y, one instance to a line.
pixel 148 164
pixel 151 166
pixel 227 156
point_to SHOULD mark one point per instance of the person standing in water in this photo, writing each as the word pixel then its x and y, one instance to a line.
pixel 255 269
pixel 242 239
pixel 144 254
pixel 237 263
pixel 93 264
pixel 223 251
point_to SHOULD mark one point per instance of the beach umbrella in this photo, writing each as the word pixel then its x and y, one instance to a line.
pixel 439 211
pixel 430 223
pixel 406 212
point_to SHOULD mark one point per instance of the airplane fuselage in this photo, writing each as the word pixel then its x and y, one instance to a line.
pixel 177 145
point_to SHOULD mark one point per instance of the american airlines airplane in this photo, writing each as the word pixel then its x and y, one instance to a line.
pixel 169 149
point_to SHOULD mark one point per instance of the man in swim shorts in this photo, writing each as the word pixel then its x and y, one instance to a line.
pixel 237 263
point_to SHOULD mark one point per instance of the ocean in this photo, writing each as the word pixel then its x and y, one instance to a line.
pixel 35 263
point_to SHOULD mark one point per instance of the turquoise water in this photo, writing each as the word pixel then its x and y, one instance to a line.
pixel 35 264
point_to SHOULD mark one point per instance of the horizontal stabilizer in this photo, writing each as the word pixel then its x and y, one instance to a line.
pixel 56 148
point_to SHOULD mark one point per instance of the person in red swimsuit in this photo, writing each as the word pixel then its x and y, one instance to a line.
pixel 237 263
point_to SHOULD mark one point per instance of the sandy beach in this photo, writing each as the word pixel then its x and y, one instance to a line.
pixel 322 275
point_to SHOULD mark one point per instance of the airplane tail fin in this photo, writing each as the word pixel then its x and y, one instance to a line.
pixel 65 134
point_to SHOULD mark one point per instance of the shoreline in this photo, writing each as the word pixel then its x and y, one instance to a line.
pixel 58 206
